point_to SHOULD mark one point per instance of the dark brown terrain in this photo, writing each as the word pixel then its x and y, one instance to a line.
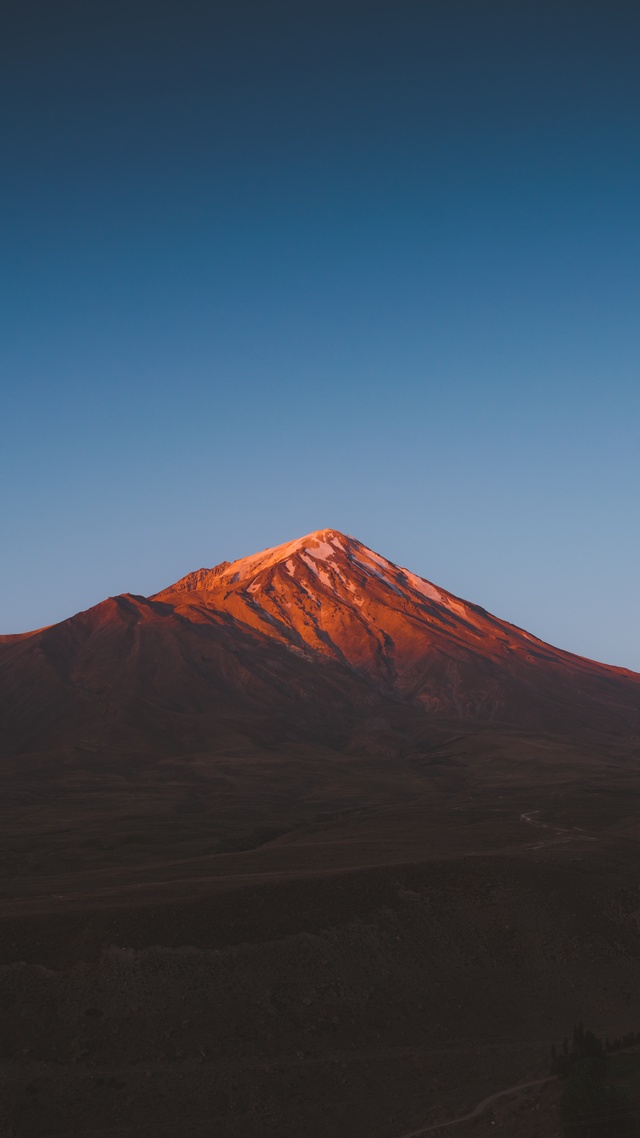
pixel 306 847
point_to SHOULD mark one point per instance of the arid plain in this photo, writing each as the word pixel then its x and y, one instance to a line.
pixel 305 846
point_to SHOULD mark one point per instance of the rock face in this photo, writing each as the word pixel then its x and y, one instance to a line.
pixel 310 632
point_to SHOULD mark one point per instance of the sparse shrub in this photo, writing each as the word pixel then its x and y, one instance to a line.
pixel 589 1108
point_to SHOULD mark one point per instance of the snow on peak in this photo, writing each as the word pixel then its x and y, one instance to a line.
pixel 327 554
pixel 335 560
pixel 320 545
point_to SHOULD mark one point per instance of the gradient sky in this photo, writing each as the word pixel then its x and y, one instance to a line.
pixel 269 267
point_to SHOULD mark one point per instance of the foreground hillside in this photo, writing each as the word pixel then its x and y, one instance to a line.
pixel 306 846
pixel 291 991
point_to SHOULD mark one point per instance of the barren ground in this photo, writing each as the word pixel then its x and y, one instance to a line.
pixel 397 947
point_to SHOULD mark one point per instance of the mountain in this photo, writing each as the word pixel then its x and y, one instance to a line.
pixel 315 633
pixel 235 703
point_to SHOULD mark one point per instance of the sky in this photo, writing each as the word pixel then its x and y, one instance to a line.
pixel 267 268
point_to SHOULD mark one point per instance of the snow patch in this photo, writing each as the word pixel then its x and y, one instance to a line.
pixel 421 586
pixel 335 569
pixel 381 561
pixel 457 607
pixel 320 550
pixel 317 570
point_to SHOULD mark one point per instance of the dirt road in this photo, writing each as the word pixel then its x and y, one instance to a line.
pixel 478 1110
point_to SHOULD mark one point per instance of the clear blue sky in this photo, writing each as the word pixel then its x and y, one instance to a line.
pixel 270 267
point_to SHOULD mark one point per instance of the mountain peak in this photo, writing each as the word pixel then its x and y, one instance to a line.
pixel 323 542
pixel 323 565
pixel 320 546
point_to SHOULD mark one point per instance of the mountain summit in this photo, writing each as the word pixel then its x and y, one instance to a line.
pixel 324 555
